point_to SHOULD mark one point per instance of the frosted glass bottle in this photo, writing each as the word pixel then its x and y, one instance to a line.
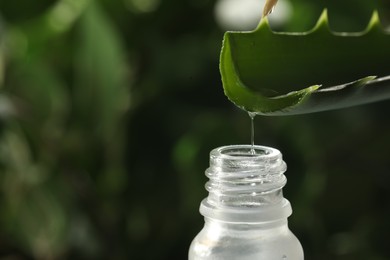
pixel 245 212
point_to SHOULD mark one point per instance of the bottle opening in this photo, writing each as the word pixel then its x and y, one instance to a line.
pixel 244 150
pixel 236 157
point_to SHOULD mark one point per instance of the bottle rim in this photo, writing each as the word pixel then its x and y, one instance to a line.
pixel 247 151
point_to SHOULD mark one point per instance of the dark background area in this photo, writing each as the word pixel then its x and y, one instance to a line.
pixel 108 110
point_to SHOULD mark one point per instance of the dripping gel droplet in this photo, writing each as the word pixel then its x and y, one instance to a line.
pixel 252 116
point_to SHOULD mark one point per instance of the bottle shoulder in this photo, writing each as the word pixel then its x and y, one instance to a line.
pixel 280 244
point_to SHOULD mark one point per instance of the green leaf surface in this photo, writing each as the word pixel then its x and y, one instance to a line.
pixel 275 73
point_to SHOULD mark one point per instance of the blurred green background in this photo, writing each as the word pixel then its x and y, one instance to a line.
pixel 109 108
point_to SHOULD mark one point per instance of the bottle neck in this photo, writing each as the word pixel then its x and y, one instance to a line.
pixel 273 226
pixel 245 185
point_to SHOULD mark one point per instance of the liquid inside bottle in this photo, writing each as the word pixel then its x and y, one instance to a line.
pixel 245 212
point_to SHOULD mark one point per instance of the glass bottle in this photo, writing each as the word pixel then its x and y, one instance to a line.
pixel 245 212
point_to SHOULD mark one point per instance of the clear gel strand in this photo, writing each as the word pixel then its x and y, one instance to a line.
pixel 252 116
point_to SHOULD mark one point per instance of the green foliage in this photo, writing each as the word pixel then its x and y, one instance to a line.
pixel 264 72
pixel 55 130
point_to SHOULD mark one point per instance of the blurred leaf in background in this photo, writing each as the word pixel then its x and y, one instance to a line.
pixel 108 110
pixel 62 147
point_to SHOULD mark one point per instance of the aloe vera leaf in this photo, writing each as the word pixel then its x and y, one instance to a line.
pixel 273 73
